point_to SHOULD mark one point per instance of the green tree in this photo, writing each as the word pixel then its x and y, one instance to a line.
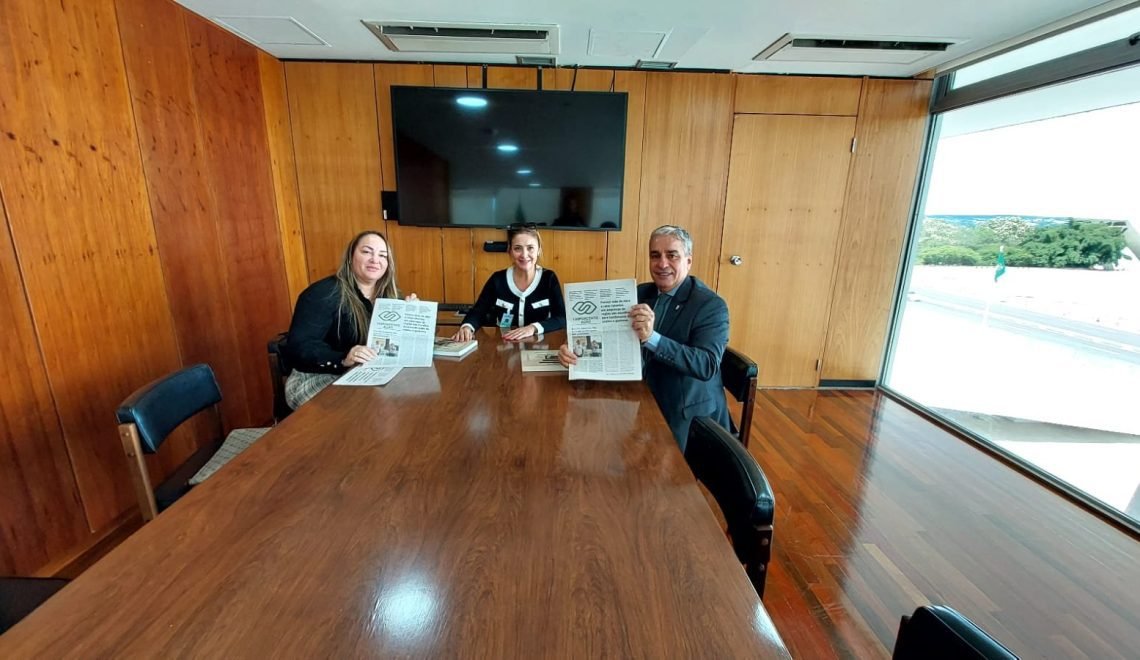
pixel 1073 245
pixel 937 232
pixel 948 255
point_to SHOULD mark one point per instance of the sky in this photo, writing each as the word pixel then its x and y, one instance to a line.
pixel 1080 165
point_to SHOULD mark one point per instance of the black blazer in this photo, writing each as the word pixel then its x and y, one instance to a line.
pixel 541 303
pixel 684 372
pixel 321 334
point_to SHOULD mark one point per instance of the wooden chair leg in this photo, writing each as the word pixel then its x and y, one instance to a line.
pixel 136 464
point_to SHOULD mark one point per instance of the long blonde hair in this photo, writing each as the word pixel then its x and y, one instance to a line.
pixel 348 288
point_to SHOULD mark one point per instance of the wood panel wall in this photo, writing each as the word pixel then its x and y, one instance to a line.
pixel 889 134
pixel 332 109
pixel 283 163
pixel 40 510
pixel 140 235
pixel 684 163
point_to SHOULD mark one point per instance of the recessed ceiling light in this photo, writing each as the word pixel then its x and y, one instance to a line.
pixel 471 101
pixel 508 148
pixel 535 184
pixel 523 172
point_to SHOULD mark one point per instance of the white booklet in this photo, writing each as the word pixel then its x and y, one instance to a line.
pixel 598 330
pixel 368 374
pixel 540 360
pixel 402 333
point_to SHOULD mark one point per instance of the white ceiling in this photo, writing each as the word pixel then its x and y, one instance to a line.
pixel 700 34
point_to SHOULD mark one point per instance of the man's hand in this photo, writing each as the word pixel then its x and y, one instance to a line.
pixel 566 356
pixel 641 317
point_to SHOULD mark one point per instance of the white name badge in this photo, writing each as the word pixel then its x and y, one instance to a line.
pixel 541 303
pixel 504 304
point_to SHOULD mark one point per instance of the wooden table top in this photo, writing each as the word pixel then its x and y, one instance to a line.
pixel 466 510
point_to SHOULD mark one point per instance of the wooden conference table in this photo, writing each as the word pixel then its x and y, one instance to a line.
pixel 466 510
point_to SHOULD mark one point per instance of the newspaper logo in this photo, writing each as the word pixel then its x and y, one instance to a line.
pixel 389 316
pixel 584 307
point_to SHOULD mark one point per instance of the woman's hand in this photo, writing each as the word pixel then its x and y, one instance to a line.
pixel 358 355
pixel 464 333
pixel 520 333
pixel 566 356
pixel 411 297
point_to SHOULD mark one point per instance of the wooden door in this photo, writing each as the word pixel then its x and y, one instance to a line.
pixel 786 186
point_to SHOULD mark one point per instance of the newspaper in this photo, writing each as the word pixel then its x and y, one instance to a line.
pixel 402 333
pixel 369 374
pixel 540 360
pixel 598 330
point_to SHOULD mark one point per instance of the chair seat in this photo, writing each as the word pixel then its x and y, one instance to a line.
pixel 236 442
pixel 19 596
pixel 178 483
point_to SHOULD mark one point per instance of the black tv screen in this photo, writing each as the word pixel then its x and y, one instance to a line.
pixel 492 158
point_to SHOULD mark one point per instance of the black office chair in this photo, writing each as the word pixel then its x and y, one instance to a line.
pixel 724 466
pixel 147 417
pixel 279 371
pixel 20 595
pixel 936 632
pixel 739 375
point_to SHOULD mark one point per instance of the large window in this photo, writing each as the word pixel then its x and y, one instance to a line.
pixel 1020 314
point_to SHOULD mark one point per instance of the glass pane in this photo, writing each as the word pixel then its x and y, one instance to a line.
pixel 1088 36
pixel 1041 355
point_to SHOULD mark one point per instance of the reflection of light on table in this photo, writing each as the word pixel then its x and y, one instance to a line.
pixel 406 610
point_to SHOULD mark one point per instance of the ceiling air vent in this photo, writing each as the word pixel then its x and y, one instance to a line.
pixel 466 38
pixel 883 50
pixel 655 65
pixel 535 60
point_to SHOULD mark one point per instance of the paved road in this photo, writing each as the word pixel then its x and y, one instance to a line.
pixel 1111 342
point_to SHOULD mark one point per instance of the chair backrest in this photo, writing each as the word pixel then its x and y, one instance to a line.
pixel 161 406
pixel 739 374
pixel 731 474
pixel 20 595
pixel 149 415
pixel 937 632
pixel 279 370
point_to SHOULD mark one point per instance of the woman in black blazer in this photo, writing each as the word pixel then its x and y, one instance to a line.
pixel 525 297
pixel 329 332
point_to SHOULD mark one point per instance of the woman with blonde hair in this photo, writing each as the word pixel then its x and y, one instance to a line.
pixel 523 300
pixel 329 332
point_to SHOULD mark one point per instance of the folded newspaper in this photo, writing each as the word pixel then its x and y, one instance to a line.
pixel 540 360
pixel 599 333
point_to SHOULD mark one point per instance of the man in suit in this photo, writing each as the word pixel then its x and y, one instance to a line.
pixel 683 329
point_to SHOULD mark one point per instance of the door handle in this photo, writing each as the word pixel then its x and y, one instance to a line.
pixel 735 260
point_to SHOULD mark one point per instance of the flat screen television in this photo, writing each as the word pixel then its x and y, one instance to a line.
pixel 493 158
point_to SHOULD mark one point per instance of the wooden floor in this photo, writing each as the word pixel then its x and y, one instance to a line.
pixel 878 510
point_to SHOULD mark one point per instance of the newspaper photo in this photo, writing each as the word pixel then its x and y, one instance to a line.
pixel 598 330
pixel 402 333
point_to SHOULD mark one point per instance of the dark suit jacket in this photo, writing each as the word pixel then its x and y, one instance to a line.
pixel 684 372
